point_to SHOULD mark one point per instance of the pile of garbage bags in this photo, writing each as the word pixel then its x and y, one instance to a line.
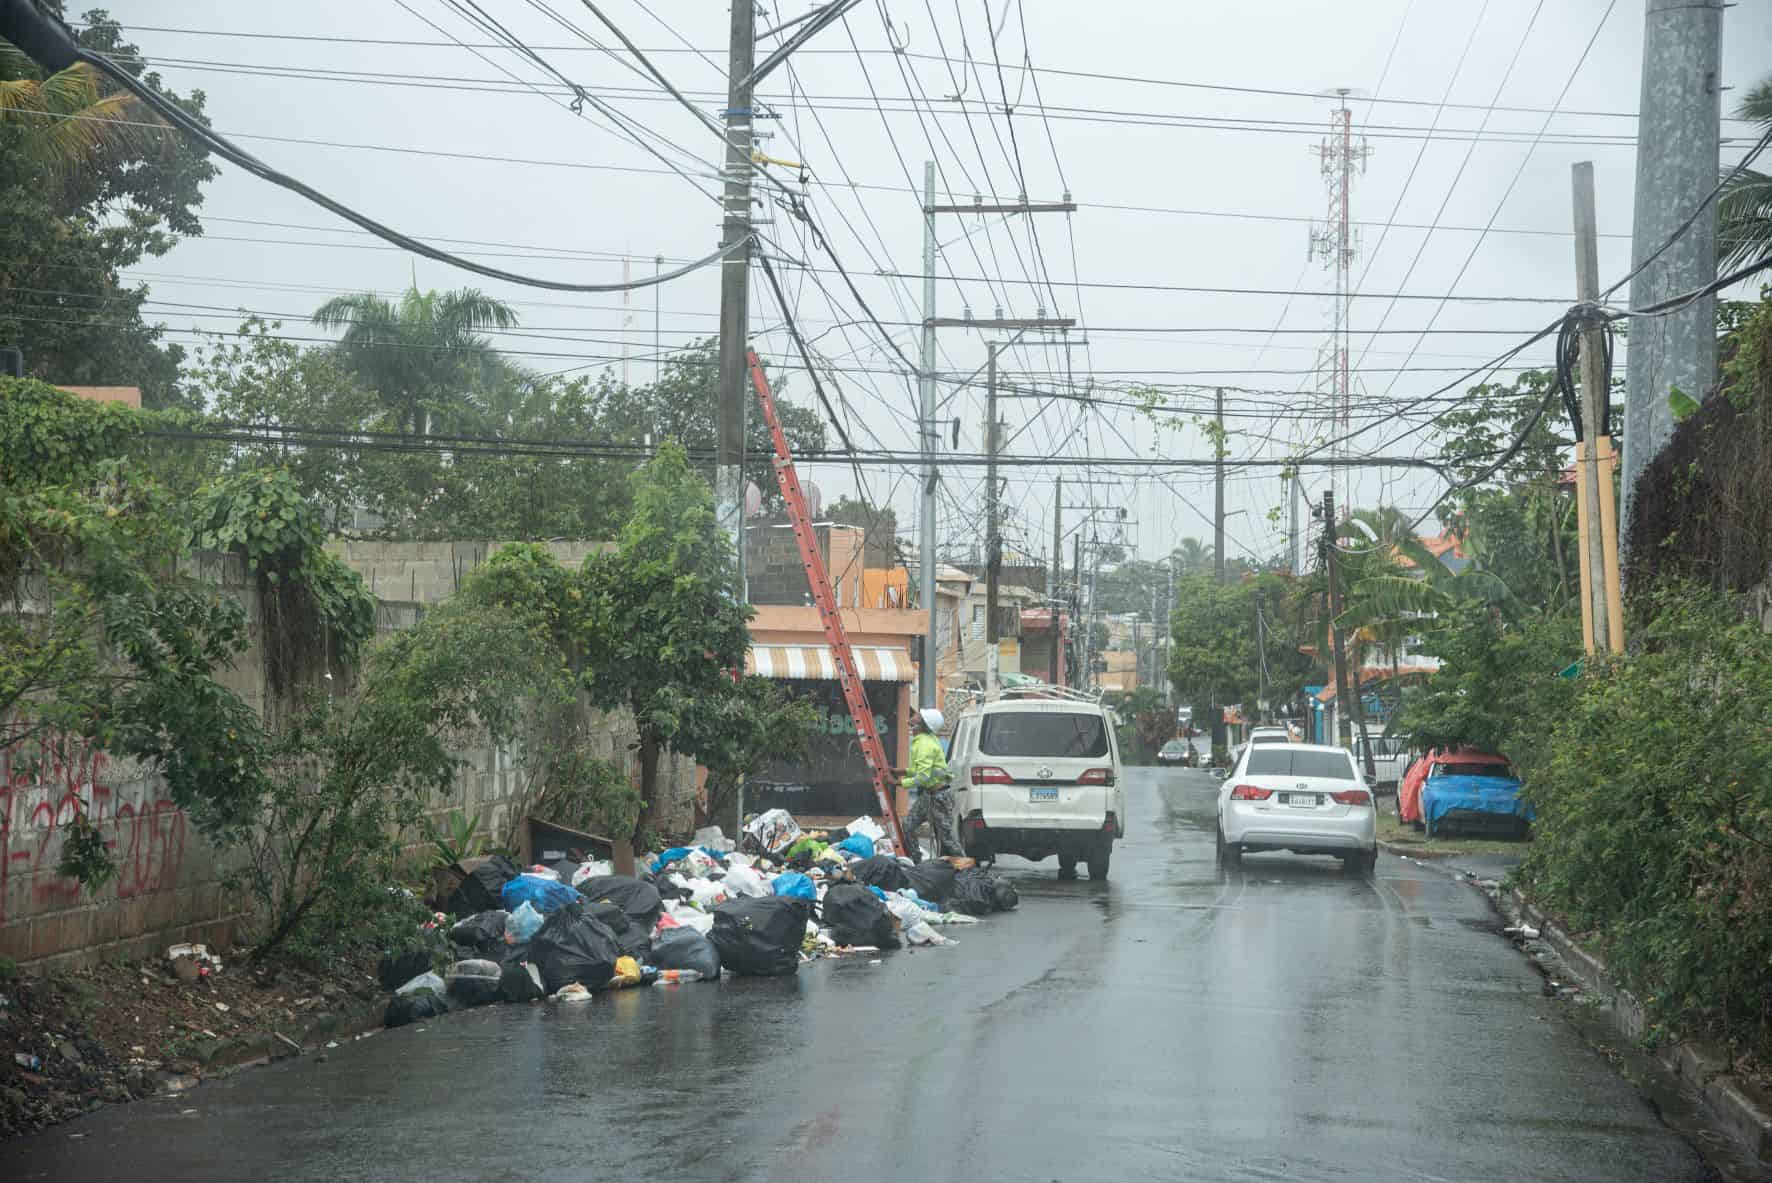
pixel 784 897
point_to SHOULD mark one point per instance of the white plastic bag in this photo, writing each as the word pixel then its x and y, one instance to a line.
pixel 702 922
pixel 774 830
pixel 591 870
pixel 424 981
pixel 868 826
pixel 712 837
pixel 705 892
pixel 921 934
pixel 745 881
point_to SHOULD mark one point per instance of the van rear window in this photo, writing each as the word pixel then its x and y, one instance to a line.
pixel 1289 761
pixel 1049 734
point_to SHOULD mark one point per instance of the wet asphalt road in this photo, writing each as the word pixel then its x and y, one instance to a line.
pixel 1280 1022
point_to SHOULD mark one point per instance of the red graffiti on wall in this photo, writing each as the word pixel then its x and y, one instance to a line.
pixel 66 779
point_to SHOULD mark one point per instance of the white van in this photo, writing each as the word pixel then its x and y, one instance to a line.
pixel 1037 777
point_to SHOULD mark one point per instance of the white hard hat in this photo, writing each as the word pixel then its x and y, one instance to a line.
pixel 932 718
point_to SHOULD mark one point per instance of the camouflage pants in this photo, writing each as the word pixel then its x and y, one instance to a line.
pixel 935 806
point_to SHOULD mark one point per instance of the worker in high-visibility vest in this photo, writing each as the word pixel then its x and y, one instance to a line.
pixel 926 780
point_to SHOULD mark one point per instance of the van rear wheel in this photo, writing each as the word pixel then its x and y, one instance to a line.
pixel 1098 860
pixel 1067 866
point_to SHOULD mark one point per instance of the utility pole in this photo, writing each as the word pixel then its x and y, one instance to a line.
pixel 1057 536
pixel 1079 676
pixel 1260 657
pixel 1602 607
pixel 1677 164
pixel 1218 491
pixel 993 545
pixel 1294 541
pixel 1169 634
pixel 735 271
pixel 1345 691
pixel 927 437
pixel 657 336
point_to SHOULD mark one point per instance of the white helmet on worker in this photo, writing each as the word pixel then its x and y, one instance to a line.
pixel 933 719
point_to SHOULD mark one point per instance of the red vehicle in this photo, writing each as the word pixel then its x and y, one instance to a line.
pixel 1409 791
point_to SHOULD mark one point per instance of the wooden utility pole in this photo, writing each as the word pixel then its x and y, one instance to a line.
pixel 993 545
pixel 1218 492
pixel 1602 605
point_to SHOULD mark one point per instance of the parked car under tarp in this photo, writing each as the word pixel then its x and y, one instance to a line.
pixel 1464 788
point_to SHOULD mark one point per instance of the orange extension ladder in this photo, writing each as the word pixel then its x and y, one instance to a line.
pixel 871 749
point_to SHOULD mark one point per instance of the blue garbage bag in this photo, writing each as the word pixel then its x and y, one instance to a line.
pixel 859 845
pixel 676 852
pixel 548 895
pixel 795 885
pixel 877 892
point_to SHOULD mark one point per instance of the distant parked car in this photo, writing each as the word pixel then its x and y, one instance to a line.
pixel 1390 760
pixel 1466 789
pixel 1174 754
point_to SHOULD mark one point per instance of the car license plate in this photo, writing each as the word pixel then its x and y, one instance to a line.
pixel 1305 799
pixel 1042 794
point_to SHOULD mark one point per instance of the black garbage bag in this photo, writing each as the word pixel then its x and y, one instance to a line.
pixel 933 879
pixel 572 947
pixel 519 981
pixel 684 948
pixel 761 937
pixel 483 889
pixel 639 899
pixel 607 913
pixel 882 871
pixel 856 916
pixel 483 932
pixel 410 1008
pixel 977 892
pixel 473 982
pixel 396 969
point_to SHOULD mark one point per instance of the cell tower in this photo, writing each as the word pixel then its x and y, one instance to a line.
pixel 1335 243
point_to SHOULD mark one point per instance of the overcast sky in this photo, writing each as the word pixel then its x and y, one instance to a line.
pixel 1188 178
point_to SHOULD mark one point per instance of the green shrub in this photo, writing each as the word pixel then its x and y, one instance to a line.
pixel 1654 800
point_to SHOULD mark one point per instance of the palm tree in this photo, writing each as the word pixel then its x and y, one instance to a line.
pixel 66 118
pixel 417 354
pixel 1190 556
pixel 1744 212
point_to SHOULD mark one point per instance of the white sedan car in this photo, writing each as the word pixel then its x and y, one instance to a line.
pixel 1306 798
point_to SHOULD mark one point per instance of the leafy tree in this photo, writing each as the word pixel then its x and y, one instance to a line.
pixel 104 638
pixel 351 774
pixel 671 628
pixel 740 732
pixel 83 199
pixel 421 354
pixel 683 406
pixel 1744 211
pixel 1215 660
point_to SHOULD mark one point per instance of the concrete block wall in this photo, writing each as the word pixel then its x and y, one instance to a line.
pixel 775 573
pixel 426 572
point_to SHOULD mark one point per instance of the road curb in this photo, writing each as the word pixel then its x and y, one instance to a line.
pixel 1740 1108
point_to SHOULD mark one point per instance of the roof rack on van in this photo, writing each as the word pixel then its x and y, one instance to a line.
pixel 1048 690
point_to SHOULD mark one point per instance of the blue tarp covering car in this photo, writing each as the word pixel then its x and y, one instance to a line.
pixel 1467 798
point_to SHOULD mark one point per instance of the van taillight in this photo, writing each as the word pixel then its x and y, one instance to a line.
pixel 1353 797
pixel 1250 793
pixel 991 776
pixel 1097 776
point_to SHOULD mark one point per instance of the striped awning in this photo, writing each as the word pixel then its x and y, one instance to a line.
pixel 815 661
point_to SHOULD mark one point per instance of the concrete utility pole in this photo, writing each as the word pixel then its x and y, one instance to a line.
pixel 735 274
pixel 1079 675
pixel 1354 717
pixel 1602 606
pixel 926 548
pixel 657 337
pixel 1260 656
pixel 1057 537
pixel 993 545
pixel 1169 633
pixel 1677 165
pixel 1218 491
